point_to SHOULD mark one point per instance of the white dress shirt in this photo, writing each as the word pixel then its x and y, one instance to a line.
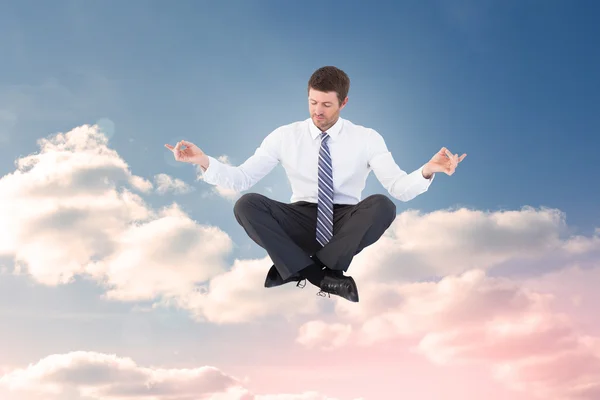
pixel 355 152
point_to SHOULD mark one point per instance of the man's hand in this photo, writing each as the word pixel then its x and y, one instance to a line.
pixel 442 161
pixel 191 154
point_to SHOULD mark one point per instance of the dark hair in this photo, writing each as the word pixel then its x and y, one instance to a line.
pixel 330 79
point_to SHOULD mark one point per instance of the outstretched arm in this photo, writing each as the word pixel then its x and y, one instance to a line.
pixel 237 178
pixel 398 183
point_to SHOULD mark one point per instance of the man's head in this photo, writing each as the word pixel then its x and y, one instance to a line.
pixel 328 89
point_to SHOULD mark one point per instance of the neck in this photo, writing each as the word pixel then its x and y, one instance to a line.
pixel 325 129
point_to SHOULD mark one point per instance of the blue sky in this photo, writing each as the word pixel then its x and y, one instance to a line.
pixel 514 84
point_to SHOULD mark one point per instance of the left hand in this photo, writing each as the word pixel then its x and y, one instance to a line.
pixel 443 161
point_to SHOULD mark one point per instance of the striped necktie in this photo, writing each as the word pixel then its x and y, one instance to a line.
pixel 325 199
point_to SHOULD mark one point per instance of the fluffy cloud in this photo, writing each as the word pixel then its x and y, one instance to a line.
pixel 423 246
pixel 97 376
pixel 238 296
pixel 67 212
pixel 575 289
pixel 165 183
pixel 324 336
pixel 102 376
pixel 474 318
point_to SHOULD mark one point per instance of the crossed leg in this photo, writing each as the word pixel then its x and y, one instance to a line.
pixel 287 231
pixel 357 228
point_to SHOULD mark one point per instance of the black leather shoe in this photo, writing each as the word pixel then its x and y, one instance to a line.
pixel 338 284
pixel 274 279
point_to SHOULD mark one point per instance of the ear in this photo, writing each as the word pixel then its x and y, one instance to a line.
pixel 344 103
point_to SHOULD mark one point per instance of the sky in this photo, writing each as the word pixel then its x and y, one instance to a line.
pixel 124 276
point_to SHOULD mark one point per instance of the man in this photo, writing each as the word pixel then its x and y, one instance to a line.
pixel 327 160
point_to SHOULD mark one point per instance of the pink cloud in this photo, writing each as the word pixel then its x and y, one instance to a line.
pixel 322 335
pixel 475 319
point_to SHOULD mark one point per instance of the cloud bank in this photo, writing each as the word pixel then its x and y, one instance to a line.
pixel 507 290
pixel 98 376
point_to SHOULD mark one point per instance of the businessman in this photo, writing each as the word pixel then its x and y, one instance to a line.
pixel 327 160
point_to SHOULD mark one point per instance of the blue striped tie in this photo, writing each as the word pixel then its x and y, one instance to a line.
pixel 325 199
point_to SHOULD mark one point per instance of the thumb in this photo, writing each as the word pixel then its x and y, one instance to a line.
pixel 188 144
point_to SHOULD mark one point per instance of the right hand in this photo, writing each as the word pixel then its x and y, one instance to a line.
pixel 191 154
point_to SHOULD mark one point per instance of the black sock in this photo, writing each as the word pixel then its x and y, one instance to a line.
pixel 314 273
pixel 317 261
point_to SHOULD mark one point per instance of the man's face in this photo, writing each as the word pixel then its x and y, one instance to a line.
pixel 324 108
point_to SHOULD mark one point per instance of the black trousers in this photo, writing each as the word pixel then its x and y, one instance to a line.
pixel 287 231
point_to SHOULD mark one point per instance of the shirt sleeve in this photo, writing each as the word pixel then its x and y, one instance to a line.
pixel 244 176
pixel 398 183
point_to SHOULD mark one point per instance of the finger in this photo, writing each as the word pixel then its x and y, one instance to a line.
pixel 187 144
pixel 448 153
pixel 452 168
pixel 168 146
pixel 462 157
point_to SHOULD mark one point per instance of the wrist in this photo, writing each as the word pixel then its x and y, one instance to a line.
pixel 203 162
pixel 426 172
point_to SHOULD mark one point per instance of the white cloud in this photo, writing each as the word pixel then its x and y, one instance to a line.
pixel 421 246
pixel 325 336
pixel 165 257
pixel 166 183
pixel 108 377
pixel 68 214
pixel 238 295
pixel 141 184
pixel 225 193
pixel 97 376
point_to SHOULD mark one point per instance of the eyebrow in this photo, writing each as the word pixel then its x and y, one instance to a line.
pixel 326 102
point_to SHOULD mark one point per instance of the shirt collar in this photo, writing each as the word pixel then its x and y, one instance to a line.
pixel 333 132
